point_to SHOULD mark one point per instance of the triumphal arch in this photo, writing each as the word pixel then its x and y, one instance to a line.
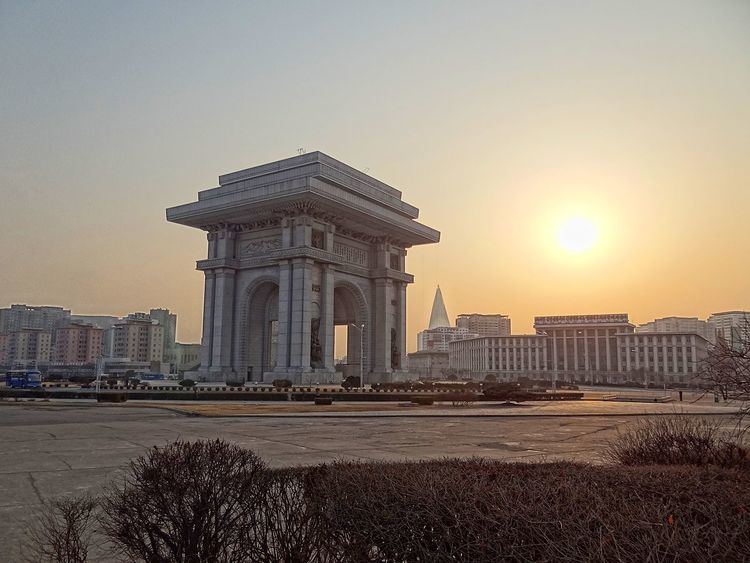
pixel 296 247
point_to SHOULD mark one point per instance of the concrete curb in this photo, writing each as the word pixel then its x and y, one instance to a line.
pixel 510 413
pixel 439 415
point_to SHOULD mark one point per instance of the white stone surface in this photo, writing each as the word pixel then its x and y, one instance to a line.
pixel 303 241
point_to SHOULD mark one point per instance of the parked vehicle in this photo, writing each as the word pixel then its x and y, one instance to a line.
pixel 23 379
pixel 151 377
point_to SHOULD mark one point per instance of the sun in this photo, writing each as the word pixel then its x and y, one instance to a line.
pixel 577 234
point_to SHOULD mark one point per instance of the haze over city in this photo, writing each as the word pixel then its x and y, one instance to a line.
pixel 577 157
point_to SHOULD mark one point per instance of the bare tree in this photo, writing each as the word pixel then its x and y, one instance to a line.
pixel 63 533
pixel 727 368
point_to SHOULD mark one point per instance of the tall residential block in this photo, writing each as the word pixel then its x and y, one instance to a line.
pixel 3 347
pixel 78 343
pixel 18 317
pixel 731 326
pixel 28 347
pixel 141 340
pixel 169 322
pixel 484 325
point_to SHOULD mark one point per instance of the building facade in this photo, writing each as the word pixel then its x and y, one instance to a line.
pixel 653 358
pixel 437 339
pixel 184 357
pixel 28 347
pixel 484 325
pixel 139 339
pixel 733 327
pixel 688 325
pixel 429 365
pixel 169 322
pixel 18 317
pixel 3 348
pixel 583 343
pixel 78 343
pixel 296 247
pixel 507 357
pixel 660 357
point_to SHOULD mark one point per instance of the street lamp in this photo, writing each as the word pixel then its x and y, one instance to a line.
pixel 361 330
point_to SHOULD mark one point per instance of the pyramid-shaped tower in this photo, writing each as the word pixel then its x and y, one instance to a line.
pixel 439 316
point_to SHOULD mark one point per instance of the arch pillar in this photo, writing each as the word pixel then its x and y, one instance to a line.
pixel 326 318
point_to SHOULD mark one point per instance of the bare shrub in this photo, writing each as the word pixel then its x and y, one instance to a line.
pixel 63 532
pixel 481 511
pixel 213 501
pixel 678 440
pixel 285 525
pixel 186 502
pixel 726 369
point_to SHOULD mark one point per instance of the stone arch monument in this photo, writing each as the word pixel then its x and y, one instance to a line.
pixel 296 247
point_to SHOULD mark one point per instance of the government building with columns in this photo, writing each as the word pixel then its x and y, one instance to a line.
pixel 295 248
pixel 584 349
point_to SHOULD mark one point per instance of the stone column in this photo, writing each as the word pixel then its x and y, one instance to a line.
pixel 299 343
pixel 285 294
pixel 401 290
pixel 381 334
pixel 221 361
pixel 326 315
pixel 208 322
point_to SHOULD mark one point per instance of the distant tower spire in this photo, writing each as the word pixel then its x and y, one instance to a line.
pixel 439 316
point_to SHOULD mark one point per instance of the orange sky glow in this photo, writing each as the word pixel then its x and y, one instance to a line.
pixel 500 123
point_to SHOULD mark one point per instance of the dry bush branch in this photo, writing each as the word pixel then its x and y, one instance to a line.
pixel 63 532
pixel 678 440
pixel 186 502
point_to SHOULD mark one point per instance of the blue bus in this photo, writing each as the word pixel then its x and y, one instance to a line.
pixel 23 379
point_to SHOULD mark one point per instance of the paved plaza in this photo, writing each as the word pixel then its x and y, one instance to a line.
pixel 53 449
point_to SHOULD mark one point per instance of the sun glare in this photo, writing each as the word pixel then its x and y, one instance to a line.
pixel 577 235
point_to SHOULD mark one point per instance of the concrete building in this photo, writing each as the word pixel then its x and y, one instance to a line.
pixel 99 321
pixel 28 347
pixel 106 323
pixel 78 343
pixel 585 348
pixel 296 247
pixel 437 339
pixel 119 367
pixel 18 317
pixel 484 325
pixel 507 357
pixel 660 357
pixel 691 325
pixel 731 326
pixel 169 322
pixel 184 357
pixel 139 339
pixel 429 365
pixel 3 348
pixel 655 358
pixel 582 343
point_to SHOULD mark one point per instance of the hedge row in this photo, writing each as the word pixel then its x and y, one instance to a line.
pixel 224 504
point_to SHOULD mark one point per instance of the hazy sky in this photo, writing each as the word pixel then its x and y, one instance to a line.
pixel 499 120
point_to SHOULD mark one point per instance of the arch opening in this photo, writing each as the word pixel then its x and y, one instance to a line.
pixel 262 330
pixel 350 319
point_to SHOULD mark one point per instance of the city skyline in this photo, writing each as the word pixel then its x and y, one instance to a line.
pixel 499 140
